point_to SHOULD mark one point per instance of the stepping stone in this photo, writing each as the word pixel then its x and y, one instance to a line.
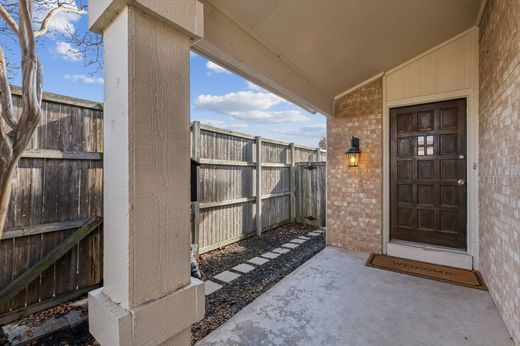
pixel 226 276
pixel 210 287
pixel 270 255
pixel 258 260
pixel 304 237
pixel 280 250
pixel 298 241
pixel 243 268
pixel 291 245
pixel 313 234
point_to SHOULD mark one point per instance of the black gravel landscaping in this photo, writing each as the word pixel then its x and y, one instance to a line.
pixel 234 296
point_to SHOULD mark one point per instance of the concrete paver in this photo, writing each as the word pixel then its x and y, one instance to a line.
pixel 210 287
pixel 226 276
pixel 243 268
pixel 258 260
pixel 281 250
pixel 270 255
pixel 291 245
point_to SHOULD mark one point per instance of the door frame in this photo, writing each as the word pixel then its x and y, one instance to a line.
pixel 469 258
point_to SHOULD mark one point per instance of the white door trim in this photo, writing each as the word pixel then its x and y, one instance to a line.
pixel 430 254
pixel 411 251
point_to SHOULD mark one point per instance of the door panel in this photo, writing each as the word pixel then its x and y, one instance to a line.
pixel 428 172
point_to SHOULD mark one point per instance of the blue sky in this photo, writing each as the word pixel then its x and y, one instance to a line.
pixel 218 97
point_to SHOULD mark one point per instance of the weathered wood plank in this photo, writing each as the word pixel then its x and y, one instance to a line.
pixel 20 265
pixel 258 186
pixel 50 97
pixel 35 255
pixel 63 155
pixel 24 279
pixel 248 136
pixel 42 228
pixel 241 163
pixel 292 184
pixel 227 163
pixel 225 132
pixel 275 195
pixel 6 269
pixel 59 178
pixel 228 179
pixel 275 165
pixel 207 205
pixel 195 206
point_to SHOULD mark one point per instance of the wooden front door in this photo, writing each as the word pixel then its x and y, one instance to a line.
pixel 428 173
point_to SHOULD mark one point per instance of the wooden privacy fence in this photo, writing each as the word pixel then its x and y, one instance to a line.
pixel 51 248
pixel 311 192
pixel 246 185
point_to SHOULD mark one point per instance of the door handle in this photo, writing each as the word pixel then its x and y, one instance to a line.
pixel 461 182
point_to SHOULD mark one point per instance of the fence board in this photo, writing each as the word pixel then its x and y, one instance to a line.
pixel 228 185
pixel 311 193
pixel 57 185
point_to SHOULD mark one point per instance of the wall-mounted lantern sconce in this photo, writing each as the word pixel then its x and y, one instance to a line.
pixel 353 153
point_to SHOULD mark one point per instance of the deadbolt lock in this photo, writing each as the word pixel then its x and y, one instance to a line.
pixel 461 182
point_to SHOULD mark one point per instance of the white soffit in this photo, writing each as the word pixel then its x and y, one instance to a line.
pixel 337 44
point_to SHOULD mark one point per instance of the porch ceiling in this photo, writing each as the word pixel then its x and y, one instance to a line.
pixel 333 45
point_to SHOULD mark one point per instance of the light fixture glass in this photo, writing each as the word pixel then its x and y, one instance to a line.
pixel 353 153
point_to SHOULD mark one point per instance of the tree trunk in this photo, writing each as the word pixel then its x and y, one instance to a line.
pixel 5 194
pixel 13 144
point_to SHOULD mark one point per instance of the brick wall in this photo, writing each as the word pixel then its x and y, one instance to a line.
pixel 354 195
pixel 499 161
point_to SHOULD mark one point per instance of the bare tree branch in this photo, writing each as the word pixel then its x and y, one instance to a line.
pixel 5 95
pixel 26 31
pixel 31 81
pixel 39 82
pixel 19 24
pixel 7 17
pixel 51 14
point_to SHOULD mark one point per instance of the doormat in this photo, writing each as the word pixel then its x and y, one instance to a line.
pixel 457 276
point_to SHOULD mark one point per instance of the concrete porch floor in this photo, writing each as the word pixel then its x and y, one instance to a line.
pixel 334 299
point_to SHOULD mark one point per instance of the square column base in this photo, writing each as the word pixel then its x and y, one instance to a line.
pixel 166 320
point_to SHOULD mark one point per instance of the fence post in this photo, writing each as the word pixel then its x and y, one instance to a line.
pixel 292 182
pixel 195 154
pixel 258 185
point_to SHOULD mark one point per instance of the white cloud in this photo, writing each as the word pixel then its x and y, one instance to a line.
pixel 223 124
pixel 62 23
pixel 318 130
pixel 253 86
pixel 249 105
pixel 239 101
pixel 214 68
pixel 214 123
pixel 271 116
pixel 237 126
pixel 68 52
pixel 84 78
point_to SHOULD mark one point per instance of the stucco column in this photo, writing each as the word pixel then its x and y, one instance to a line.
pixel 149 297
